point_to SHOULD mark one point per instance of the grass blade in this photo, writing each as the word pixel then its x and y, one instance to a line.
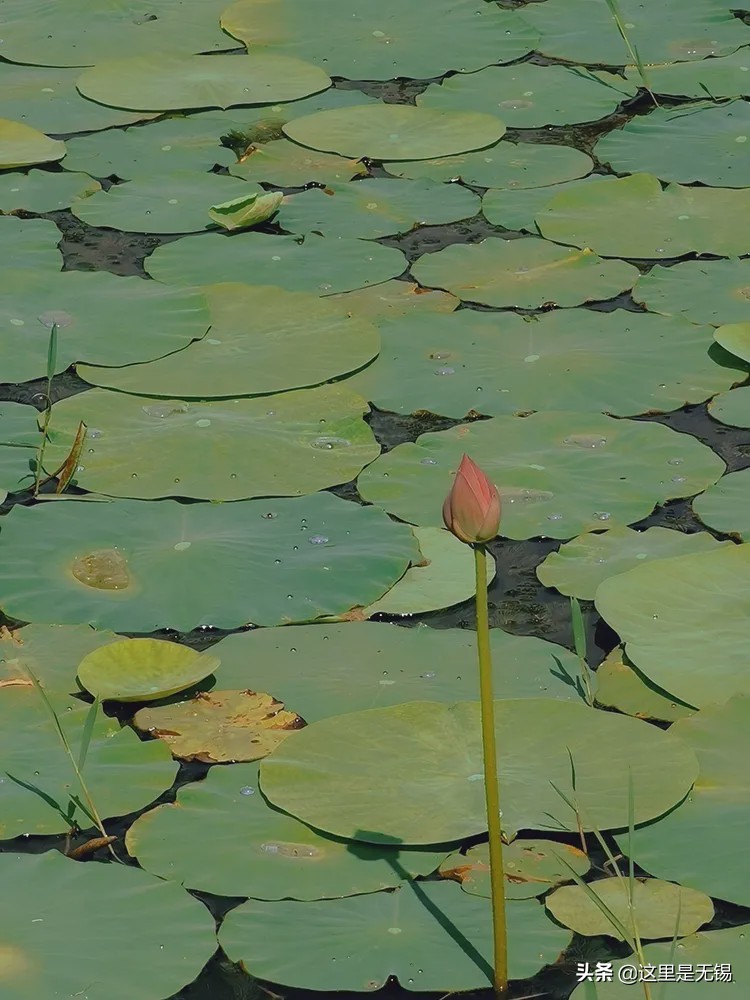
pixel 579 641
pixel 88 729
pixel 614 9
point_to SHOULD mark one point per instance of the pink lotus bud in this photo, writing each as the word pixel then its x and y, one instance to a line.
pixel 472 508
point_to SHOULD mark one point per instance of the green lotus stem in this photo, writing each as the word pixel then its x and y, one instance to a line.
pixel 491 783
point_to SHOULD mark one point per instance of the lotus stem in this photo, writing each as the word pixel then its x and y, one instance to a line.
pixel 491 783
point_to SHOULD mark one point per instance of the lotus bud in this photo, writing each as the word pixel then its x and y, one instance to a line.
pixel 472 508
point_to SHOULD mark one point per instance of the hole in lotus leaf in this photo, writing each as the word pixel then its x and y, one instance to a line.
pixel 284 850
pixel 55 317
pixel 165 409
pixel 328 443
pixel 104 569
pixel 520 494
pixel 585 440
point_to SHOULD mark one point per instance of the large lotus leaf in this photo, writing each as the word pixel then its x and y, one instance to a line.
pixel 620 685
pixel 175 144
pixel 735 338
pixel 40 791
pixel 585 31
pixel 257 850
pixel 702 142
pixel 425 782
pixel 312 264
pixel 143 669
pixel 286 164
pixel 703 843
pixel 507 165
pixel 430 936
pixel 294 340
pixel 608 218
pixel 132 566
pixel 82 32
pixel 395 131
pixel 579 566
pixel 725 506
pixel 229 449
pixel 50 652
pixel 723 77
pixel 376 207
pixel 43 191
pixel 528 96
pixel 704 958
pixel 220 727
pixel 162 203
pixel 517 209
pixel 523 272
pixel 531 867
pixel 30 243
pixel 140 923
pixel 102 318
pixel 703 291
pixel 559 473
pixel 469 361
pixel 353 39
pixel 21 145
pixel 732 407
pixel 168 83
pixel 653 909
pixel 683 621
pixel 393 300
pixel 311 666
pixel 19 446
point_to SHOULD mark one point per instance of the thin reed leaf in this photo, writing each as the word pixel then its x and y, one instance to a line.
pixel 579 641
pixel 614 9
pixel 88 729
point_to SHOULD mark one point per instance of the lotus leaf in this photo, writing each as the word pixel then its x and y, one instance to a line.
pixel 725 506
pixel 702 142
pixel 531 867
pixel 135 566
pixel 102 318
pixel 703 291
pixel 523 272
pixel 622 686
pixel 246 211
pixel 257 850
pixel 21 145
pixel 19 444
pixel 517 209
pixel 51 652
pixel 430 936
pixel 425 783
pixel 719 77
pixel 578 568
pixel 312 264
pixel 285 163
pixel 608 218
pixel 702 844
pixel 294 340
pixel 735 338
pixel 143 669
pixel 310 666
pixel 677 615
pixel 393 300
pixel 657 909
pixel 395 131
pixel 376 207
pixel 30 243
pixel 43 191
pixel 507 165
pixel 421 39
pixel 166 82
pixel 139 923
pixel 560 473
pixel 732 407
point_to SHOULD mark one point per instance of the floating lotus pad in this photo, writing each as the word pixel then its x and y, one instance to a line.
pixel 143 669
pixel 528 96
pixel 19 445
pixel 139 921
pixel 701 843
pixel 135 566
pixel 607 217
pixel 703 291
pixel 507 165
pixel 262 340
pixel 395 131
pixel 376 207
pixel 524 273
pixel 676 615
pixel 560 473
pixel 310 666
pixel 531 867
pixel 725 506
pixel 472 361
pixel 258 851
pixel 704 142
pixel 43 191
pixel 658 909
pixel 285 163
pixel 40 790
pixel 51 652
pixel 579 566
pixel 313 264
pixel 585 31
pixel 102 318
pixel 430 936
pixel 722 77
pixel 732 407
pixel 517 209
pixel 394 300
pixel 21 145
pixel 351 39
pixel 735 338
pixel 620 685
pixel 165 82
pixel 30 243
pixel 230 449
